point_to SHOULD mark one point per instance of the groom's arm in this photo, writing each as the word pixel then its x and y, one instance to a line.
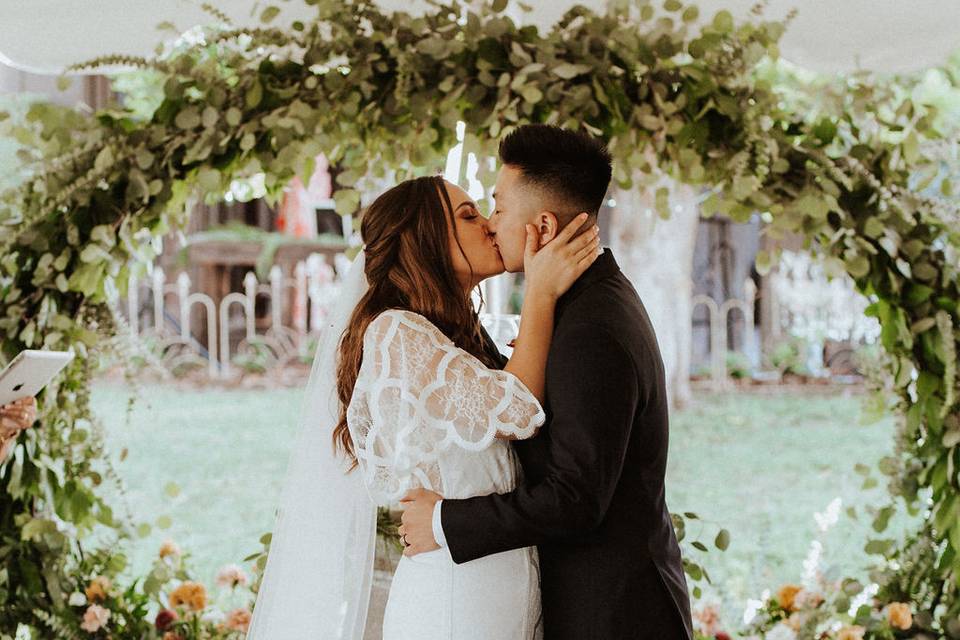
pixel 594 389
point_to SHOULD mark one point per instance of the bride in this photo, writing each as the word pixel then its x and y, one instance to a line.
pixel 408 385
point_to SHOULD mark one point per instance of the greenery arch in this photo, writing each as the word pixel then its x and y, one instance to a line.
pixel 382 91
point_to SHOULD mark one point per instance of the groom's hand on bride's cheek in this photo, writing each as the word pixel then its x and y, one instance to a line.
pixel 417 520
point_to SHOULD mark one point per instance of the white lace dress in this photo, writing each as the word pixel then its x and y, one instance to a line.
pixel 425 413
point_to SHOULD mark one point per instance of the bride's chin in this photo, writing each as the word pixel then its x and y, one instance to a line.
pixel 493 271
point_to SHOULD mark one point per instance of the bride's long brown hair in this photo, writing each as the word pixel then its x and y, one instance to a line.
pixel 408 266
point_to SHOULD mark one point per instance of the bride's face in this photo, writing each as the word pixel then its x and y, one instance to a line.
pixel 478 249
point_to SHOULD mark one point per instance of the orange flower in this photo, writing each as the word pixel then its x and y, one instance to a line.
pixel 170 635
pixel 898 613
pixel 787 596
pixel 97 589
pixel 238 620
pixel 192 594
pixel 169 548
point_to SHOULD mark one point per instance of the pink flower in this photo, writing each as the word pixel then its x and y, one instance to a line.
pixel 238 620
pixel 230 576
pixel 94 618
pixel 708 619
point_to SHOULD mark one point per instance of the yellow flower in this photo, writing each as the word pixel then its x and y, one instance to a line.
pixel 851 633
pixel 192 594
pixel 898 613
pixel 787 596
pixel 97 589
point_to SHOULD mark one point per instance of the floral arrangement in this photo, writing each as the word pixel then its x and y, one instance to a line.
pixel 169 604
pixel 842 610
pixel 821 607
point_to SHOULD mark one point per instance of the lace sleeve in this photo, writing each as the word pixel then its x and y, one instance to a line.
pixel 423 394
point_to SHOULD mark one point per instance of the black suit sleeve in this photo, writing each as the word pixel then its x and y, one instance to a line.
pixel 593 391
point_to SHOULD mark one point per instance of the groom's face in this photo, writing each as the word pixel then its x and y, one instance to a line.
pixel 515 205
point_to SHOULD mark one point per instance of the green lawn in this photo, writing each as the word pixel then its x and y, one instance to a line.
pixel 762 465
pixel 758 464
pixel 227 450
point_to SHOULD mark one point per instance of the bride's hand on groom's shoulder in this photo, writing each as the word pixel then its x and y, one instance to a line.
pixel 552 269
pixel 416 530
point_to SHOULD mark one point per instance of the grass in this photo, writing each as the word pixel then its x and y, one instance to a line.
pixel 227 451
pixel 757 464
pixel 761 466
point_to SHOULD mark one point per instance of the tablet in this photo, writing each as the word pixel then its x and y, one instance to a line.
pixel 30 372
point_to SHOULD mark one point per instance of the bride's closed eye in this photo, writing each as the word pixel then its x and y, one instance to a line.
pixel 468 212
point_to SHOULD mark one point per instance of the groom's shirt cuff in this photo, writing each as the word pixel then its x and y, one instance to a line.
pixel 438 526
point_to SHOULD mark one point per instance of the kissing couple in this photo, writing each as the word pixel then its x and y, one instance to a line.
pixel 532 487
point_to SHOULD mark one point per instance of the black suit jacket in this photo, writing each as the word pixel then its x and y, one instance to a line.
pixel 592 498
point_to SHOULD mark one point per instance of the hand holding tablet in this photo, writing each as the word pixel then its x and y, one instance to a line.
pixel 29 372
pixel 23 378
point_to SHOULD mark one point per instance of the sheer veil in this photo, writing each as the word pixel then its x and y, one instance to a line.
pixel 317 581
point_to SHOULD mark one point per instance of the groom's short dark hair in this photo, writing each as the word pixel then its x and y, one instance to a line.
pixel 571 166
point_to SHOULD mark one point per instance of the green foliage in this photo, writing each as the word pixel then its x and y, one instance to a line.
pixel 379 92
pixel 738 365
pixel 789 357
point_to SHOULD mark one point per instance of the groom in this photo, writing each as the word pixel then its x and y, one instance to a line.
pixel 592 496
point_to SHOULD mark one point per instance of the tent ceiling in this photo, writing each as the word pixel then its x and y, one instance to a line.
pixel 45 36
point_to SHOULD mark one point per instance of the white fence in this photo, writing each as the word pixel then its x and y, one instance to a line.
pixel 159 315
pixel 313 288
pixel 806 303
pixel 718 315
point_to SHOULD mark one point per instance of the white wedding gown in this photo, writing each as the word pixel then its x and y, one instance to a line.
pixel 425 413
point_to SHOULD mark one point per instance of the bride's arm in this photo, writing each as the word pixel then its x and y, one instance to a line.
pixel 549 272
pixel 529 359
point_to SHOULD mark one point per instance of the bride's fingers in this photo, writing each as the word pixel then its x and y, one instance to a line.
pixel 589 249
pixel 571 229
pixel 584 240
pixel 532 244
pixel 589 254
pixel 585 262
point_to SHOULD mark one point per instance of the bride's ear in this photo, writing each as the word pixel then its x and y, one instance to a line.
pixel 547 226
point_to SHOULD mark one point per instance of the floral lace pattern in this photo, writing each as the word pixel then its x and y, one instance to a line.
pixel 417 395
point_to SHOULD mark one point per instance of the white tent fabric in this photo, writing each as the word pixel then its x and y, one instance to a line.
pixel 45 36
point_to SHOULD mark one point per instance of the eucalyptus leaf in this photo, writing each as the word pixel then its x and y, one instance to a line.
pixel 568 70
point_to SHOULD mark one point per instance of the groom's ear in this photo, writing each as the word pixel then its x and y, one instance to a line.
pixel 547 226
